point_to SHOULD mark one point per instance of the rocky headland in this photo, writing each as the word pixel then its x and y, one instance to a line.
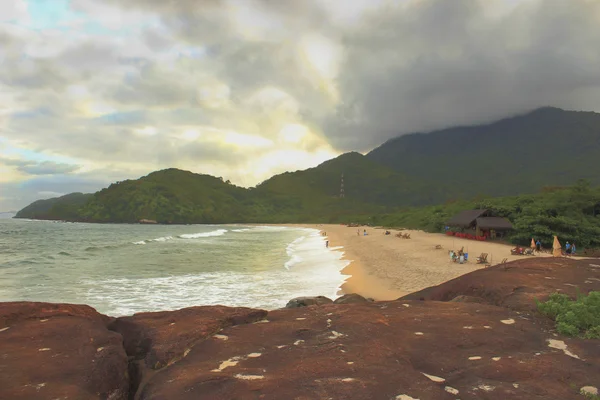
pixel 478 336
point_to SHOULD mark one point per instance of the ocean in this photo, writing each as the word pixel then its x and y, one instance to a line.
pixel 121 269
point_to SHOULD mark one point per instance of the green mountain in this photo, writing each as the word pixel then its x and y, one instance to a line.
pixel 516 155
pixel 169 196
pixel 365 181
pixel 58 208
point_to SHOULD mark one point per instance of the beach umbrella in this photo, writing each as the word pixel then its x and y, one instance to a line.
pixel 557 248
pixel 532 243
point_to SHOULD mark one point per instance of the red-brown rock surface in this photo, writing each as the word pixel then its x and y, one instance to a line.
pixel 155 340
pixel 382 351
pixel 518 284
pixel 59 351
pixel 403 349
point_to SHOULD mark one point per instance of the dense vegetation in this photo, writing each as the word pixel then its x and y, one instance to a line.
pixel 547 147
pixel 167 196
pixel 65 207
pixel 571 213
pixel 365 181
pixel 579 317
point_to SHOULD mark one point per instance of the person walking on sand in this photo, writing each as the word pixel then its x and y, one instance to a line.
pixel 358 232
pixel 573 249
pixel 327 243
pixel 538 246
pixel 568 248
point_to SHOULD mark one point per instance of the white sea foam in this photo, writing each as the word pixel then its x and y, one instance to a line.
pixel 175 268
pixel 311 269
pixel 240 230
pixel 218 232
pixel 295 259
pixel 162 239
pixel 291 251
pixel 272 228
pixel 320 267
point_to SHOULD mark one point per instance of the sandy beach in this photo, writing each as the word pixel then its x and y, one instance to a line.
pixel 387 267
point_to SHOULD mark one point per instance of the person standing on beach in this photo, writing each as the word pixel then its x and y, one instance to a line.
pixel 568 248
pixel 538 246
pixel 573 249
pixel 327 243
pixel 358 232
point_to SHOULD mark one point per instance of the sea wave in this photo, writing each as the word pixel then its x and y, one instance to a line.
pixel 291 250
pixel 267 228
pixel 162 239
pixel 218 232
pixel 319 264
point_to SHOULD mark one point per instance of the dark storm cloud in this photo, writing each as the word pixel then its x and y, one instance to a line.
pixel 442 63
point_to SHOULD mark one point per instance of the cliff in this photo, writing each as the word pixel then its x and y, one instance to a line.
pixel 476 337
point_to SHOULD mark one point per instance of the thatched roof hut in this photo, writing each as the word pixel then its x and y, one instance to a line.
pixel 480 221
pixel 467 218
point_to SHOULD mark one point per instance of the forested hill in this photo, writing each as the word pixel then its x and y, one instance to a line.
pixel 516 155
pixel 168 196
pixel 365 181
pixel 65 207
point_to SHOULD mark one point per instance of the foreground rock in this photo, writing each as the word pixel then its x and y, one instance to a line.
pixel 59 351
pixel 351 298
pixel 518 284
pixel 403 349
pixel 425 350
pixel 156 340
pixel 308 301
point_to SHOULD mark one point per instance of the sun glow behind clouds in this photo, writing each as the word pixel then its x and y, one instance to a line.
pixel 322 58
pixel 293 133
pixel 243 140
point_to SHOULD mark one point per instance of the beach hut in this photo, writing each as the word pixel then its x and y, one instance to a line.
pixel 467 219
pixel 556 248
pixel 482 222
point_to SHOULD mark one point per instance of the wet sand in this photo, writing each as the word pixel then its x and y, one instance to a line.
pixel 387 267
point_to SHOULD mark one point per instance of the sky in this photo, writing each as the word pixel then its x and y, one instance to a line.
pixel 95 91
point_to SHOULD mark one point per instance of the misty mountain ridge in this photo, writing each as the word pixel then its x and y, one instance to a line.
pixel 516 155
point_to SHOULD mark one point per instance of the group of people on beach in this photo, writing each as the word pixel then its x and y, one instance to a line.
pixel 570 248
pixel 458 256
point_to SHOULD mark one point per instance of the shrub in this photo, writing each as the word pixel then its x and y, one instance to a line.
pixel 579 317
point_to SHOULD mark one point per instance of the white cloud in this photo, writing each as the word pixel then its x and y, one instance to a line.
pixel 246 89
pixel 13 11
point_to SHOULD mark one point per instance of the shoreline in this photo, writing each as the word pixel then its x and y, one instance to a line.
pixel 385 267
